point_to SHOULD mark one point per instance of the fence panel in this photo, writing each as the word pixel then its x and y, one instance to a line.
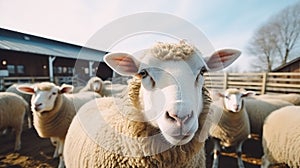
pixel 7 81
pixel 261 83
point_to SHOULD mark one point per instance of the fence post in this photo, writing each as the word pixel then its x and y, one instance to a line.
pixel 264 83
pixel 2 87
pixel 225 86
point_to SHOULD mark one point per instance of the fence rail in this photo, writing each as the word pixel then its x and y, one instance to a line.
pixel 7 81
pixel 261 83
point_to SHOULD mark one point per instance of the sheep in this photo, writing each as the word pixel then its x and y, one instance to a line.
pixel 230 126
pixel 94 84
pixel 104 88
pixel 161 121
pixel 53 110
pixel 26 97
pixel 281 137
pixel 291 97
pixel 259 109
pixel 12 111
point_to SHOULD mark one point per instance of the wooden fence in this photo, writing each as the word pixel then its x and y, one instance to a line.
pixel 7 81
pixel 261 83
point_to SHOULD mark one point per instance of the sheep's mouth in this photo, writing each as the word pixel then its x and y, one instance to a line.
pixel 42 112
pixel 179 139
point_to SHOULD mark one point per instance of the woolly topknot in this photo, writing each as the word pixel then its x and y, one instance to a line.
pixel 233 91
pixel 173 51
pixel 45 86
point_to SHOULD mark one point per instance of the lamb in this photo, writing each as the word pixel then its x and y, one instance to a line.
pixel 26 97
pixel 291 97
pixel 259 109
pixel 12 111
pixel 281 137
pixel 53 110
pixel 104 88
pixel 230 126
pixel 161 121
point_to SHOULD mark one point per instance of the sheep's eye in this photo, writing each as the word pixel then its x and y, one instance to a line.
pixel 53 93
pixel 143 73
pixel 227 97
pixel 203 70
pixel 201 73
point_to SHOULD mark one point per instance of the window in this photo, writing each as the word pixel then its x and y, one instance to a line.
pixel 86 70
pixel 64 70
pixel 59 70
pixel 20 69
pixel 70 70
pixel 11 69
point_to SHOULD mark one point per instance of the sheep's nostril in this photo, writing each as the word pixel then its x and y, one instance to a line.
pixel 37 104
pixel 188 117
pixel 176 118
pixel 236 107
pixel 171 117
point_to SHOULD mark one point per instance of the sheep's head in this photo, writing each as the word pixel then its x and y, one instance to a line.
pixel 171 85
pixel 233 99
pixel 44 95
pixel 95 84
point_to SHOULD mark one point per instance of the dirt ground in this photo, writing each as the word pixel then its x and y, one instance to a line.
pixel 37 152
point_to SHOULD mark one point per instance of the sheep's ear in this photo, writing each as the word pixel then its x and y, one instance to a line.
pixel 122 63
pixel 64 88
pixel 248 93
pixel 222 58
pixel 25 89
pixel 220 94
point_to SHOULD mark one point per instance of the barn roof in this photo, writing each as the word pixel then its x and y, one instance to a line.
pixel 17 41
pixel 296 60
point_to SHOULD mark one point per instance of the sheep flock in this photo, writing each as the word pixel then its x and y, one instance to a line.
pixel 163 117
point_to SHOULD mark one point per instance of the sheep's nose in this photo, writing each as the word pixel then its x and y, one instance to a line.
pixel 178 119
pixel 236 107
pixel 37 104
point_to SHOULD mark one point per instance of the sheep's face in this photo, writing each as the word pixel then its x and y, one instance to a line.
pixel 172 96
pixel 43 100
pixel 96 86
pixel 171 90
pixel 233 99
pixel 44 95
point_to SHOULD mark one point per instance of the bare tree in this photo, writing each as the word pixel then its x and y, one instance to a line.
pixel 274 42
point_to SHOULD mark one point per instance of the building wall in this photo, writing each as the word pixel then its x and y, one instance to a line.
pixel 32 64
pixel 295 67
pixel 22 64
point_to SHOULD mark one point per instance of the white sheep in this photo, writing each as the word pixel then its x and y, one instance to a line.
pixel 94 84
pixel 291 97
pixel 53 110
pixel 26 97
pixel 259 109
pixel 104 88
pixel 12 111
pixel 230 126
pixel 281 137
pixel 162 121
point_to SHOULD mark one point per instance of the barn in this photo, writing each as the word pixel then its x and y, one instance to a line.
pixel 29 58
pixel 291 66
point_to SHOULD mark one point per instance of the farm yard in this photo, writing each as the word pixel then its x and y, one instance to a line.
pixel 37 152
pixel 81 86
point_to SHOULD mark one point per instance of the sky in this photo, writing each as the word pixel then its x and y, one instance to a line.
pixel 225 23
